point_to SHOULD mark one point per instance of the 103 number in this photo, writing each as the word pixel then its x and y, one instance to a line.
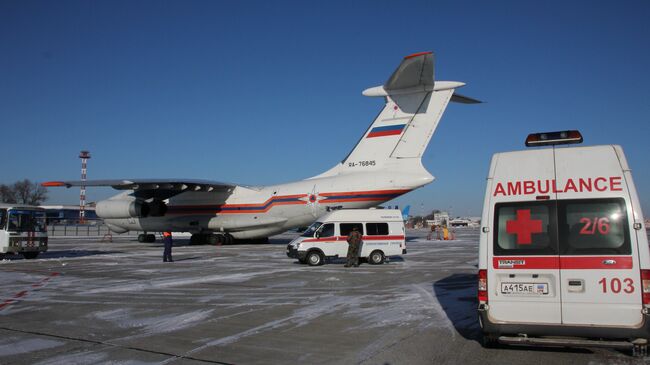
pixel 616 286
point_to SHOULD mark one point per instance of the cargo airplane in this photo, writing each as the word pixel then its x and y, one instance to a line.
pixel 384 164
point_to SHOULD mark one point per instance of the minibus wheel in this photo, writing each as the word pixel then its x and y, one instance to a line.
pixel 314 258
pixel 376 258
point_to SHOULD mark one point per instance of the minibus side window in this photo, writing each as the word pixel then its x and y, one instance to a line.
pixel 594 226
pixel 377 229
pixel 326 230
pixel 526 228
pixel 346 228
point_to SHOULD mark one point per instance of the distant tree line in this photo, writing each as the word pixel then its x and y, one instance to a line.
pixel 23 192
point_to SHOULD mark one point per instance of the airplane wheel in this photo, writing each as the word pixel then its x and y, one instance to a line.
pixel 213 239
pixel 314 258
pixel 376 258
pixel 228 239
pixel 151 238
pixel 141 238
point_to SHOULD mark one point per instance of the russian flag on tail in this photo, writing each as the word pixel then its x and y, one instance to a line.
pixel 387 130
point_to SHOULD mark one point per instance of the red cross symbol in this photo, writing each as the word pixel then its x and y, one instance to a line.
pixel 524 227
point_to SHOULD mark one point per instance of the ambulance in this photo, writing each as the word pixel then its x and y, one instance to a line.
pixel 382 232
pixel 563 254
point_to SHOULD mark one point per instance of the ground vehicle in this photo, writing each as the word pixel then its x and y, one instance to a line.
pixel 22 230
pixel 562 249
pixel 382 231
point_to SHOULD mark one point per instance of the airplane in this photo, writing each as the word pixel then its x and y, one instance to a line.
pixel 385 163
pixel 405 213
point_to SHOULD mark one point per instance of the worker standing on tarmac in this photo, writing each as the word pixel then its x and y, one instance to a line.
pixel 167 254
pixel 354 246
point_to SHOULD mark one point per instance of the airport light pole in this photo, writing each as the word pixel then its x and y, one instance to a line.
pixel 84 156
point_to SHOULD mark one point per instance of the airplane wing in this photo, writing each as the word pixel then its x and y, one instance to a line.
pixel 151 188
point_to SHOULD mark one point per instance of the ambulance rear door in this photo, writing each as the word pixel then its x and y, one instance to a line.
pixel 523 273
pixel 599 261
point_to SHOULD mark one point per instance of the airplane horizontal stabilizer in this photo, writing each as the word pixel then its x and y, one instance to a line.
pixel 462 99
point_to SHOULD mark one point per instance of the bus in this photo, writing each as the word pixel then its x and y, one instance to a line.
pixel 22 230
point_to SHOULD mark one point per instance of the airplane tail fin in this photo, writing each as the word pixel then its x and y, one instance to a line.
pixel 405 213
pixel 401 132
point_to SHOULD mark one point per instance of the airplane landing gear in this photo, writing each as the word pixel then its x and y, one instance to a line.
pixel 146 238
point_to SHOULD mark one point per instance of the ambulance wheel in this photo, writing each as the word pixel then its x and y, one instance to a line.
pixel 640 350
pixel 30 255
pixel 490 341
pixel 376 258
pixel 141 238
pixel 314 258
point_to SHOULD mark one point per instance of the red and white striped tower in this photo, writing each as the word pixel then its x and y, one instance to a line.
pixel 84 156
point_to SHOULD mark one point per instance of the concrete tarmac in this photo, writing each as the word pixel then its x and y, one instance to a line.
pixel 87 302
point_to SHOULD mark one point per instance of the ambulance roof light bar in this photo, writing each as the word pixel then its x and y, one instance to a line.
pixel 553 138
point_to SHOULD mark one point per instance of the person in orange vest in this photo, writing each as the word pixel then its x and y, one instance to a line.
pixel 167 254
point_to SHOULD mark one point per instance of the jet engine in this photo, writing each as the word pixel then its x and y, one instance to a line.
pixel 119 208
pixel 123 208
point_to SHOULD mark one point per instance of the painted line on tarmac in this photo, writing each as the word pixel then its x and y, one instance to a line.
pixel 85 340
pixel 21 294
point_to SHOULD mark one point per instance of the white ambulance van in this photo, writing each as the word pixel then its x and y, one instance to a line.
pixel 563 249
pixel 382 233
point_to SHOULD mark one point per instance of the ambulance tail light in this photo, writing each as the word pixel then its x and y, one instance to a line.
pixel 482 286
pixel 645 285
pixel 553 138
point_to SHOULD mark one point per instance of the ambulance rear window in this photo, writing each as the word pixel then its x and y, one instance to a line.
pixel 593 226
pixel 525 228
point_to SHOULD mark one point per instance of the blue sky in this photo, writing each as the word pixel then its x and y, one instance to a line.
pixel 269 92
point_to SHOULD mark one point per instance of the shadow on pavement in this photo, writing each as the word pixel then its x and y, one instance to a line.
pixel 64 254
pixel 457 297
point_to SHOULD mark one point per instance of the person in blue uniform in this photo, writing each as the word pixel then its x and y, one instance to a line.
pixel 167 254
